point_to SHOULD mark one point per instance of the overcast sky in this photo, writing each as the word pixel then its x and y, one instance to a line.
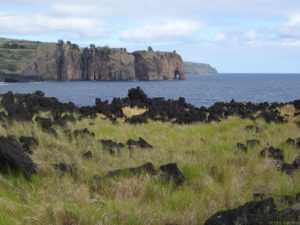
pixel 232 35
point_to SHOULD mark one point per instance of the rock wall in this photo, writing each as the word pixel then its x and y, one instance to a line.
pixel 56 62
pixel 151 65
pixel 64 62
pixel 107 64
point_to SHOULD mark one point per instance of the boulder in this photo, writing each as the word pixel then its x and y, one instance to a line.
pixel 141 143
pixel 242 147
pixel 28 142
pixel 274 153
pixel 111 146
pixel 13 156
pixel 172 173
pixel 262 212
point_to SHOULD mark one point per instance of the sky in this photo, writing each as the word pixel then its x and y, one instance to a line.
pixel 248 36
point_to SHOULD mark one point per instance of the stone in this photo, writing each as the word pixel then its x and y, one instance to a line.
pixel 172 173
pixel 28 142
pixel 111 146
pixel 13 156
pixel 141 143
pixel 262 212
pixel 242 147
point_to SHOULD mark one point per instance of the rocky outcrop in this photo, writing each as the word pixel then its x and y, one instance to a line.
pixel 56 62
pixel 66 62
pixel 107 64
pixel 150 65
pixel 262 212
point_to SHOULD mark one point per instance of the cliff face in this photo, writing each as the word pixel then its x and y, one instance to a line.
pixel 56 62
pixel 64 62
pixel 107 64
pixel 158 65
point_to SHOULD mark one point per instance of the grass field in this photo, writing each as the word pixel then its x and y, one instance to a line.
pixel 14 54
pixel 218 176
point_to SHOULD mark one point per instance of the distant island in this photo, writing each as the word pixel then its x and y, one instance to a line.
pixel 199 68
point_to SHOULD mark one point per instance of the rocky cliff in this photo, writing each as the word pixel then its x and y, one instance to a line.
pixel 55 62
pixel 150 65
pixel 66 62
pixel 107 64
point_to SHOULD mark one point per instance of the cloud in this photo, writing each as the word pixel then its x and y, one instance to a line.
pixel 169 31
pixel 43 24
pixel 292 28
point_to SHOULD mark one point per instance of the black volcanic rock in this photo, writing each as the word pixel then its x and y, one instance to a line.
pixel 171 172
pixel 13 156
pixel 262 212
pixel 28 143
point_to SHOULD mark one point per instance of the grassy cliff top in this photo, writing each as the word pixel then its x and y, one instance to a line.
pixel 14 54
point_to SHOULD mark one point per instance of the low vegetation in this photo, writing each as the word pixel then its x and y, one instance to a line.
pixel 14 54
pixel 217 174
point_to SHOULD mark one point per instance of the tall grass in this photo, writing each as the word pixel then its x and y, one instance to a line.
pixel 218 175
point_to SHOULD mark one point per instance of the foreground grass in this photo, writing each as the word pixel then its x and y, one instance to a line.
pixel 218 175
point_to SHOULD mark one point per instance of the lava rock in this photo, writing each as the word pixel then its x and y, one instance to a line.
pixel 296 162
pixel 88 155
pixel 287 168
pixel 83 133
pixel 65 168
pixel 242 147
pixel 262 212
pixel 171 172
pixel 291 141
pixel 111 146
pixel 12 156
pixel 271 116
pixel 139 119
pixel 145 168
pixel 274 153
pixel 141 143
pixel 28 143
pixel 46 125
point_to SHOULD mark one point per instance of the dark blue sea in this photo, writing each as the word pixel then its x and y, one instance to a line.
pixel 199 90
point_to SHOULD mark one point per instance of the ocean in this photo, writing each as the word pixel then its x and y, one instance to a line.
pixel 199 90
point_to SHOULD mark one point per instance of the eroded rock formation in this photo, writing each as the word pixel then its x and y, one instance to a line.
pixel 56 62
pixel 66 62
pixel 151 65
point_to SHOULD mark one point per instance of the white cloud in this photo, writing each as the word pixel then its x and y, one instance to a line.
pixel 169 31
pixel 43 24
pixel 292 27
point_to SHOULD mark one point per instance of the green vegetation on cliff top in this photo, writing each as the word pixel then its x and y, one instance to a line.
pixel 14 54
pixel 218 176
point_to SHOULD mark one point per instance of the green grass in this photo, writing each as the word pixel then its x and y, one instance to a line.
pixel 218 176
pixel 13 60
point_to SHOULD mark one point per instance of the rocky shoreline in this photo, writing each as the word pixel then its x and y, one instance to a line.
pixel 15 153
